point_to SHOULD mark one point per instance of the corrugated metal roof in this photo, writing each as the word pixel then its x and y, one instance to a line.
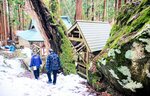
pixel 66 21
pixel 34 34
pixel 30 35
pixel 94 33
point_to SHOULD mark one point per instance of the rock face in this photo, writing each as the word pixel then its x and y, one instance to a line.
pixel 126 63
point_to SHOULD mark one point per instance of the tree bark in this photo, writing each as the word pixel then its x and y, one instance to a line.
pixel 116 6
pixel 1 28
pixel 44 21
pixel 5 21
pixel 125 1
pixel 88 8
pixel 104 11
pixel 119 4
pixel 92 3
pixel 78 14
pixel 10 25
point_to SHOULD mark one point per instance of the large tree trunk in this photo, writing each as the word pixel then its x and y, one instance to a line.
pixel 78 15
pixel 44 21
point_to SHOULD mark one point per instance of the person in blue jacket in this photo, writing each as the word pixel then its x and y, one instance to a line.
pixel 35 64
pixel 52 66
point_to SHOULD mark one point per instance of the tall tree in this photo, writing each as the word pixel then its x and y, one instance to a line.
pixel 1 21
pixel 104 10
pixel 116 6
pixel 125 1
pixel 78 14
pixel 119 4
pixel 5 21
pixel 9 18
pixel 88 8
pixel 93 16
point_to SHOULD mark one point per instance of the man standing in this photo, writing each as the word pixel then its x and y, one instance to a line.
pixel 52 65
pixel 35 64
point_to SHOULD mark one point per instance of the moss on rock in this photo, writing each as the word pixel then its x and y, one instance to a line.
pixel 126 63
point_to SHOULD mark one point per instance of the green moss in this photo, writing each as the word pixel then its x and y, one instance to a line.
pixel 126 23
pixel 67 57
pixel 54 6
pixel 141 20
pixel 143 5
pixel 128 28
pixel 114 29
pixel 93 79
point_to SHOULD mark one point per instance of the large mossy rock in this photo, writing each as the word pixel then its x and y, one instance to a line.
pixel 125 61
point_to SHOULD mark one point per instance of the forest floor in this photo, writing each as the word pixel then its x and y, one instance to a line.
pixel 15 80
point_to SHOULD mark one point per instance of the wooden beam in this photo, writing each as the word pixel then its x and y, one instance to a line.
pixel 82 74
pixel 75 39
pixel 82 58
pixel 75 31
pixel 78 45
pixel 80 48
pixel 81 64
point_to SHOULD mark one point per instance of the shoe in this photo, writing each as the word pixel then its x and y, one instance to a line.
pixel 54 83
pixel 48 82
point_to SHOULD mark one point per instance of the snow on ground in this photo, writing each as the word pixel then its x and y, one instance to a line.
pixel 14 84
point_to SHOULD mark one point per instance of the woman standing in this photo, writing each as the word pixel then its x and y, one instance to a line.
pixel 35 64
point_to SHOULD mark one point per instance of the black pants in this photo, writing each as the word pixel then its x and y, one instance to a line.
pixel 36 73
pixel 54 76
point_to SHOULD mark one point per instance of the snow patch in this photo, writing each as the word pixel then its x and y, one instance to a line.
pixel 13 84
pixel 27 52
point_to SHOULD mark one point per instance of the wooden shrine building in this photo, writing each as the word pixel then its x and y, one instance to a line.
pixel 88 38
pixel 32 38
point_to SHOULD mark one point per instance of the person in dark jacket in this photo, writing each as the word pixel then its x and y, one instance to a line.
pixel 35 64
pixel 52 66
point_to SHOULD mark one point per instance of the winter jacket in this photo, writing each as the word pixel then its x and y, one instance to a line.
pixel 49 62
pixel 35 61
